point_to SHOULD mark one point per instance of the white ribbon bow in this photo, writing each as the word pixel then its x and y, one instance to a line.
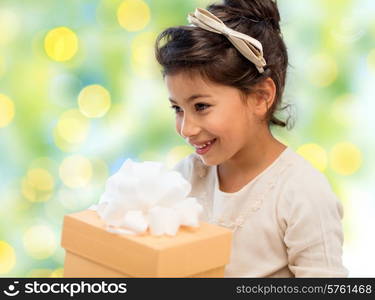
pixel 147 195
pixel 249 47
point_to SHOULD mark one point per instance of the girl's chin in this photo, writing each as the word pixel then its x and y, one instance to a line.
pixel 209 162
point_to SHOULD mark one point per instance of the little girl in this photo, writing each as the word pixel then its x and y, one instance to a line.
pixel 225 74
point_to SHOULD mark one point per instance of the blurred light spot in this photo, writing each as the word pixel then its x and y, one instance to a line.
pixel 142 54
pixel 34 195
pixel 371 60
pixel 100 171
pixel 322 70
pixel 177 154
pixel 6 110
pixel 61 44
pixel 347 30
pixel 39 273
pixel 68 198
pixel 73 127
pixel 94 101
pixel 7 257
pixel 39 242
pixel 64 145
pixel 133 15
pixel 28 191
pixel 9 26
pixel 315 154
pixel 41 179
pixel 75 171
pixel 57 273
pixel 38 184
pixel 343 108
pixel 345 158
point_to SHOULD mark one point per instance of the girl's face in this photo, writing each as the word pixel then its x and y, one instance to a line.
pixel 214 117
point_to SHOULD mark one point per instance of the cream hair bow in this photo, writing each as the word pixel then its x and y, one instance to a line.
pixel 249 47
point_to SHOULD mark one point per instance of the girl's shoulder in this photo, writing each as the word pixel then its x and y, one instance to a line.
pixel 301 173
pixel 305 186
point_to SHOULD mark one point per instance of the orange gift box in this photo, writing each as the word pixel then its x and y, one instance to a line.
pixel 92 251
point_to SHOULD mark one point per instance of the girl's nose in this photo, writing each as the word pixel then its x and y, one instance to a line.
pixel 188 128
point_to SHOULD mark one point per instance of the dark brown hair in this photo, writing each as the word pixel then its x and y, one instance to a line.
pixel 192 49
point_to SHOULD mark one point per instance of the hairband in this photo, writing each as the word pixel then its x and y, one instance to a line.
pixel 249 47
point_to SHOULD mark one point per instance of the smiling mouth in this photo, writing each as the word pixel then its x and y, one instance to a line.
pixel 205 144
pixel 203 149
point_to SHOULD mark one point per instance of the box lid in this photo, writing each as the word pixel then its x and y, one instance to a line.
pixel 190 251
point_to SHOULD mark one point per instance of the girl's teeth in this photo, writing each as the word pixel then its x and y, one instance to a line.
pixel 208 143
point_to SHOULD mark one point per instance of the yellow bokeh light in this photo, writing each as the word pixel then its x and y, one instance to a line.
pixel 75 171
pixel 176 154
pixel 315 154
pixel 6 111
pixel 322 70
pixel 94 101
pixel 39 273
pixel 64 145
pixel 142 54
pixel 133 15
pixel 57 273
pixel 61 44
pixel 345 158
pixel 28 191
pixel 7 257
pixel 38 184
pixel 142 46
pixel 9 26
pixel 73 127
pixel 39 242
pixel 40 179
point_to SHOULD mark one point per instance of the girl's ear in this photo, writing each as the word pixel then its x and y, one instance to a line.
pixel 263 96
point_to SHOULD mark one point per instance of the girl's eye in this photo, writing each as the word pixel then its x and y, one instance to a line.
pixel 176 108
pixel 201 106
pixel 198 107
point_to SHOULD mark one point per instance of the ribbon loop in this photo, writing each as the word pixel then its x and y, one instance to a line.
pixel 248 46
pixel 145 196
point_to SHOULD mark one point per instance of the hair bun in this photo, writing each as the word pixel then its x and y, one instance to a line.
pixel 256 10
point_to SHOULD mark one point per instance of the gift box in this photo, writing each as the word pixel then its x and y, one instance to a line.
pixel 92 251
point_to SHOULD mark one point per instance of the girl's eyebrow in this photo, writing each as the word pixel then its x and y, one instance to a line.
pixel 192 97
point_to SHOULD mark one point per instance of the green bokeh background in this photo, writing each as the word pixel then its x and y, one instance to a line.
pixel 330 84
